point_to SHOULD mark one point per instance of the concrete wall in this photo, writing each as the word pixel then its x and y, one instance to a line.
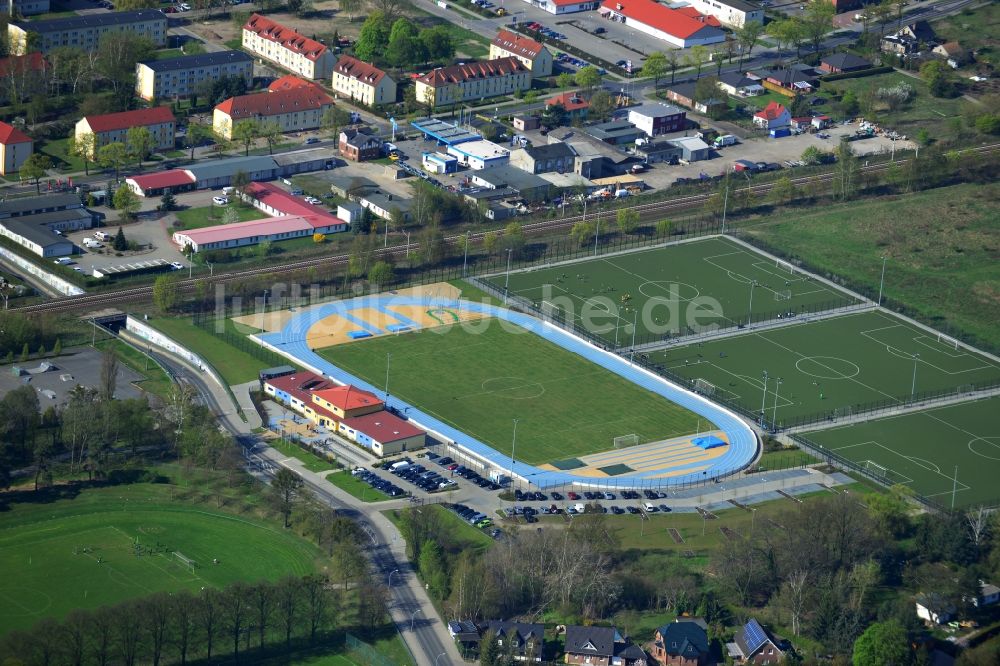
pixel 142 330
pixel 57 283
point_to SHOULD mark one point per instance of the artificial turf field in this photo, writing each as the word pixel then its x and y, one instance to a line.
pixel 829 366
pixel 478 378
pixel 922 449
pixel 713 268
pixel 80 553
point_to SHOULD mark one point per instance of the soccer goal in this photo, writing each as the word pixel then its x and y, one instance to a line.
pixel 947 340
pixel 885 475
pixel 704 387
pixel 784 266
pixel 782 294
pixel 624 441
pixel 185 561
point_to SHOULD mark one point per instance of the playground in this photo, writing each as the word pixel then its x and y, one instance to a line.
pixel 831 367
pixel 939 453
pixel 469 379
pixel 672 290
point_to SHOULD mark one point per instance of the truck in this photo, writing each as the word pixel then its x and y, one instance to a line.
pixel 497 476
pixel 725 140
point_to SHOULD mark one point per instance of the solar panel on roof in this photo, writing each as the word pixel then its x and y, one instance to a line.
pixel 754 635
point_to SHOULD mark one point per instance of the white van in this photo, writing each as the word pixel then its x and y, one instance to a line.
pixel 92 243
pixel 228 190
pixel 102 235
pixel 580 507
pixel 650 508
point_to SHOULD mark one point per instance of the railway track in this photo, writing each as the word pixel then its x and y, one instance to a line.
pixel 645 210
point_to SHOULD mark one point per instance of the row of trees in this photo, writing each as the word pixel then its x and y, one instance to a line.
pixel 400 43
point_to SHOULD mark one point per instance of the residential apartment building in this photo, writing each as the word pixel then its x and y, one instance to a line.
pixel 360 82
pixel 532 54
pixel 287 48
pixel 731 13
pixel 657 119
pixel 472 81
pixel 85 32
pixel 24 7
pixel 180 77
pixel 114 127
pixel 293 109
pixel 15 147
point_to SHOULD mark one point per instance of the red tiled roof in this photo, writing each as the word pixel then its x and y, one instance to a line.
pixel 571 101
pixel 357 69
pixel 286 204
pixel 285 37
pixel 383 427
pixel 33 62
pixel 172 178
pixel 348 397
pixel 443 76
pixel 10 134
pixel 126 119
pixel 274 103
pixel 772 111
pixel 671 21
pixel 289 82
pixel 707 19
pixel 518 45
pixel 301 385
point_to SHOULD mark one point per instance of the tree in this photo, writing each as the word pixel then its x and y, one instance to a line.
pixel 241 181
pixel 438 43
pixel 747 36
pixel 82 146
pixel 845 180
pixel 113 156
pixel 333 119
pixel 351 7
pixel 554 115
pixel 270 131
pixel 588 78
pixel 706 89
pixel 655 66
pixel 168 201
pixel 286 488
pixel 817 21
pixel 697 57
pixel 197 132
pixel 373 39
pixel 628 220
pixel 882 644
pixel 165 295
pixel 109 374
pixel 663 228
pixel 381 274
pixel 126 202
pixel 882 12
pixel 35 168
pixel 601 105
pixel 565 80
pixel 140 143
pixel 938 77
pixel 582 232
pixel 391 9
pixel 672 63
pixel 114 61
pixel 120 243
pixel 246 132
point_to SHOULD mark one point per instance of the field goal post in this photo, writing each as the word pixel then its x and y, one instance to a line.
pixel 875 470
pixel 782 294
pixel 785 266
pixel 704 387
pixel 185 561
pixel 624 441
pixel 948 340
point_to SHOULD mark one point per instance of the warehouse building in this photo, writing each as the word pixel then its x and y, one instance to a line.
pixel 683 27
pixel 480 154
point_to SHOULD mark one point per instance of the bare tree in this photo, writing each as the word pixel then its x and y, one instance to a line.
pixel 154 613
pixel 318 603
pixel 979 523
pixel 288 605
pixel 236 609
pixel 182 618
pixel 209 616
pixel 794 594
pixel 128 631
pixel 864 576
pixel 264 599
pixel 109 373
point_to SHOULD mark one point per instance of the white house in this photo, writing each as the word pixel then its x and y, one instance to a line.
pixel 772 116
pixel 933 608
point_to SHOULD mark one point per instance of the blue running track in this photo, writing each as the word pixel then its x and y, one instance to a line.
pixel 291 341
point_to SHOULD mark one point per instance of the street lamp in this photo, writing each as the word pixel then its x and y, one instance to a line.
pixel 388 355
pixel 465 260
pixel 763 397
pixel 394 571
pixel 881 281
pixel 913 384
pixel 438 657
pixel 506 282
pixel 413 617
pixel 635 325
pixel 597 234
pixel 725 205
pixel 774 411
pixel 753 285
pixel 512 443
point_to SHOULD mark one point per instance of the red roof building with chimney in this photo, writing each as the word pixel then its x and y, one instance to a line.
pixel 772 116
pixel 293 108
pixel 363 82
pixel 113 127
pixel 287 48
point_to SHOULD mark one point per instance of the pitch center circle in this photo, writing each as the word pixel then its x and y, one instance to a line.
pixel 827 367
pixel 513 388
pixel 991 444
pixel 669 290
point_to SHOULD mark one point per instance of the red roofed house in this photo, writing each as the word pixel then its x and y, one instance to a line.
pixel 362 82
pixel 112 127
pixel 532 54
pixel 277 202
pixel 295 390
pixel 574 103
pixel 681 27
pixel 347 402
pixel 156 183
pixel 15 147
pixel 472 81
pixel 384 433
pixel 773 116
pixel 292 108
pixel 287 48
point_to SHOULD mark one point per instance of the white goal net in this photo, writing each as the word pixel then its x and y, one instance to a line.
pixel 624 441
pixel 704 387
pixel 782 294
pixel 947 341
pixel 784 267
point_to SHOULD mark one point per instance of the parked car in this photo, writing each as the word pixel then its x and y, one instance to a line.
pixel 220 201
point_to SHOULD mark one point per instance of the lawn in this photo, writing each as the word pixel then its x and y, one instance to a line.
pixel 976 29
pixel 924 450
pixel 828 368
pixel 235 366
pixel 923 111
pixel 156 382
pixel 479 379
pixel 673 290
pixel 80 553
pixel 57 152
pixel 196 218
pixel 459 534
pixel 312 462
pixel 166 54
pixel 941 246
pixel 356 487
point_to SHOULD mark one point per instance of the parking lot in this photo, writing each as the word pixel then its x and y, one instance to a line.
pixel 80 365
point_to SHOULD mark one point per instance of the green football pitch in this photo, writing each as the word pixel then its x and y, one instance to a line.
pixel 81 552
pixel 480 377
pixel 829 367
pixel 923 449
pixel 672 290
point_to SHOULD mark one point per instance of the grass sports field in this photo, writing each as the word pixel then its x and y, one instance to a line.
pixel 922 450
pixel 80 553
pixel 479 378
pixel 665 282
pixel 828 365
